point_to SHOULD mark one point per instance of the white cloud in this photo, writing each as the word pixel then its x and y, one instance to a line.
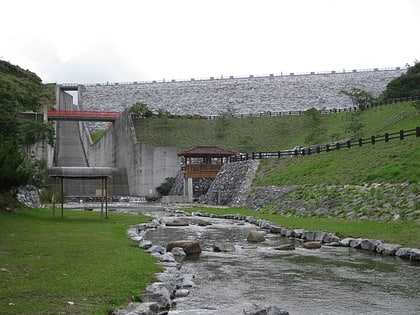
pixel 127 40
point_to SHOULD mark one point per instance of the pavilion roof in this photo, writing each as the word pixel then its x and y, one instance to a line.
pixel 206 151
pixel 80 172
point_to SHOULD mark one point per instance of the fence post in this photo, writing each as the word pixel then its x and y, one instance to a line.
pixel 279 154
pixel 372 139
pixel 328 148
pixel 360 142
pixel 318 149
pixel 260 155
pixel 337 145
pixel 386 137
pixel 417 131
pixel 401 134
pixel 348 144
pixel 309 151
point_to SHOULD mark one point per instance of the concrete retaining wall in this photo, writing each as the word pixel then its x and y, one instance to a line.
pixel 146 167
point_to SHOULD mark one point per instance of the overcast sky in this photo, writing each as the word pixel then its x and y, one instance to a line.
pixel 97 41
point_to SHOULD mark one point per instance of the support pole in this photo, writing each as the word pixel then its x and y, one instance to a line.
pixel 102 197
pixel 106 198
pixel 62 197
pixel 53 196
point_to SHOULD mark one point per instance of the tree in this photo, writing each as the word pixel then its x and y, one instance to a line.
pixel 360 98
pixel 314 127
pixel 13 171
pixel 140 110
pixel 416 105
pixel 21 90
pixel 223 121
pixel 354 125
pixel 406 85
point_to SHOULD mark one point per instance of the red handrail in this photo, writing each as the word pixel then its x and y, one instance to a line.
pixel 82 113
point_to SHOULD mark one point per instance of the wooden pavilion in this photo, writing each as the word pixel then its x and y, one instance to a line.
pixel 204 161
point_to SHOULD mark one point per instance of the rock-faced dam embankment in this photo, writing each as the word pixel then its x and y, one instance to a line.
pixel 245 95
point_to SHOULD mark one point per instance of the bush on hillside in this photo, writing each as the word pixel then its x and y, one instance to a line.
pixel 406 85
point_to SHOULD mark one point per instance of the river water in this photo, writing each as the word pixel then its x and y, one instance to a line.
pixel 329 280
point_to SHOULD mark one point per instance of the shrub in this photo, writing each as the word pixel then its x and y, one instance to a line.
pixel 166 186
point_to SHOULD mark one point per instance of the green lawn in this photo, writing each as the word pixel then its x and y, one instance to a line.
pixel 404 233
pixel 47 262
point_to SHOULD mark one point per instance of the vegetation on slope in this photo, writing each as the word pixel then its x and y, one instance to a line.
pixel 270 134
pixel 21 90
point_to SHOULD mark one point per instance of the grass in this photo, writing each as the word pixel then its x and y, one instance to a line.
pixel 404 233
pixel 393 162
pixel 46 262
pixel 270 134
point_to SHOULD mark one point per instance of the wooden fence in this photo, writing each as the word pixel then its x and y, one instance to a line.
pixel 324 111
pixel 301 151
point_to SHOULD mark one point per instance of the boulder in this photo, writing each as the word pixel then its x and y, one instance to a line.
pixel 331 238
pixel 309 235
pixel 415 255
pixel 158 293
pixel 312 245
pixel 138 308
pixel 355 243
pixel 223 247
pixel 298 233
pixel 403 252
pixel 388 249
pixel 259 310
pixel 203 223
pixel 177 223
pixel 181 293
pixel 255 236
pixel 345 242
pixel 156 249
pixel 178 251
pixel 320 236
pixel 370 244
pixel 285 247
pixel 190 247
pixel 145 244
pixel 167 257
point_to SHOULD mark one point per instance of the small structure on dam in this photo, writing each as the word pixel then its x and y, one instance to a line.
pixel 202 162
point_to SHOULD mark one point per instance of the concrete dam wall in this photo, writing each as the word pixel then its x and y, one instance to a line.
pixel 143 167
pixel 138 169
pixel 245 95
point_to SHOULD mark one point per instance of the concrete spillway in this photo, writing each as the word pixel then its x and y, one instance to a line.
pixel 70 152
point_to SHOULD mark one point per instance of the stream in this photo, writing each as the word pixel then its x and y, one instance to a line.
pixel 329 280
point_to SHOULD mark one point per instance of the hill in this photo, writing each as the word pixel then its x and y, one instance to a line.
pixel 23 89
pixel 253 134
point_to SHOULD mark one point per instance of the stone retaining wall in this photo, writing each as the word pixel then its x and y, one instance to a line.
pixel 248 95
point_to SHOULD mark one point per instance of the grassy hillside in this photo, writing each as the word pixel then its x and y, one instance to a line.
pixel 379 182
pixel 272 133
pixel 23 89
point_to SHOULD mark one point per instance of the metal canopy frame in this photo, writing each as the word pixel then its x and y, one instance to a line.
pixel 102 173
